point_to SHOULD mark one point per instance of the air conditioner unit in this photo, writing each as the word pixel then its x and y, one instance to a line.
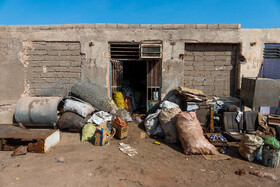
pixel 151 51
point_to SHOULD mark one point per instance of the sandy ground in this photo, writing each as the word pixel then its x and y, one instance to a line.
pixel 155 165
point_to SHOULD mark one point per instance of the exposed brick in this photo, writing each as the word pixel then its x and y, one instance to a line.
pixel 56 58
pixel 59 69
pixel 36 52
pixel 74 58
pixel 78 63
pixel 64 63
pixel 209 58
pixel 49 80
pixel 47 75
pixel 74 69
pixel 35 58
pixel 72 75
pixel 188 58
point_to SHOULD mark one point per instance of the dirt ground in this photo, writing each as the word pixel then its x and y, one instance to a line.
pixel 155 165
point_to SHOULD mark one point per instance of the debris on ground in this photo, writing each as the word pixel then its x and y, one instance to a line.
pixel 240 172
pixel 262 174
pixel 127 149
pixel 21 150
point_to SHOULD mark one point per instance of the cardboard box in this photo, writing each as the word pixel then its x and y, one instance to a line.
pixel 102 134
pixel 121 128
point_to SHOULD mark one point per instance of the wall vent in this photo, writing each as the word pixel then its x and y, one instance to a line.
pixel 271 51
pixel 151 51
pixel 124 51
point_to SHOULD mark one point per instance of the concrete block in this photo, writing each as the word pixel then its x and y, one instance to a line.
pixel 199 68
pixel 213 26
pixel 188 58
pixel 199 58
pixel 122 26
pixel 75 69
pixel 36 58
pixel 111 25
pixel 56 58
pixel 77 63
pixel 201 26
pixel 47 75
pixel 145 26
pixel 73 47
pixel 220 58
pixel 179 26
pixel 50 63
pixel 56 46
pixel 100 25
pixel 36 52
pixel 156 26
pixel 190 26
pixel 234 26
pixel 74 58
pixel 188 53
pixel 49 80
pixel 208 82
pixel 209 58
pixel 61 69
pixel 167 26
pixel 64 63
pixel 63 80
pixel 133 26
pixel 219 82
pixel 71 75
pixel 223 26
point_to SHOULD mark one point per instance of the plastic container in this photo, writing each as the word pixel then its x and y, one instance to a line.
pixel 270 157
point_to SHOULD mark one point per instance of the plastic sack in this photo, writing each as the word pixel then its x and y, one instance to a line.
pixel 167 122
pixel 249 146
pixel 123 114
pixel 191 135
pixel 168 104
pixel 119 100
pixel 71 121
pixel 83 109
pixel 152 124
pixel 88 132
pixel 269 140
pixel 100 117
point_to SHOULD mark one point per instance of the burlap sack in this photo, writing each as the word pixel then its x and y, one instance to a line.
pixel 167 122
pixel 191 135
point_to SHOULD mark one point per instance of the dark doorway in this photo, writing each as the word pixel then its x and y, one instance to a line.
pixel 135 83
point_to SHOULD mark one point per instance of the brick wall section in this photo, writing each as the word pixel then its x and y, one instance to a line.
pixel 52 67
pixel 210 68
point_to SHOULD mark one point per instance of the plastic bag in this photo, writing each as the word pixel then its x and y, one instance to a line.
pixel 88 132
pixel 100 117
pixel 168 104
pixel 119 100
pixel 248 147
pixel 269 140
pixel 167 122
pixel 191 135
pixel 83 109
pixel 152 124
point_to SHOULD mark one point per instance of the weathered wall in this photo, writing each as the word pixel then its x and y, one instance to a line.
pixel 210 68
pixel 16 57
pixel 253 41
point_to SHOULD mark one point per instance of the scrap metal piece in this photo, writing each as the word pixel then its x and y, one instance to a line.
pixel 37 111
pixel 37 140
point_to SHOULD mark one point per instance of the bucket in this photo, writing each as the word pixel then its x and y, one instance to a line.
pixel 270 157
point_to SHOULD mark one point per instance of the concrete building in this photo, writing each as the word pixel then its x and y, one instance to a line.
pixel 44 60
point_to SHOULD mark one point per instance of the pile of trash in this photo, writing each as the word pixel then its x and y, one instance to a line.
pixel 87 109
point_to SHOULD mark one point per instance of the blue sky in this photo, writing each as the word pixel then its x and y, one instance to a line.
pixel 249 13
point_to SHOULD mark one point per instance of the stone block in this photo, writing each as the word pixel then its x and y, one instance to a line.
pixel 111 25
pixel 213 26
pixel 75 69
pixel 61 69
pixel 71 75
pixel 64 63
pixel 77 63
pixel 48 75
pixel 201 26
pixel 122 26
pixel 190 26
pixel 199 68
pixel 223 26
pixel 56 58
pixel 209 58
pixel 167 26
pixel 188 58
pixel 36 58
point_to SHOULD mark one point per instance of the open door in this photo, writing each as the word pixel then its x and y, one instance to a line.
pixel 153 83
